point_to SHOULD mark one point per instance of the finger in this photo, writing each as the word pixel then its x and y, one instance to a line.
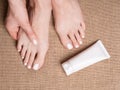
pixel 22 18
pixel 31 35
pixel 12 30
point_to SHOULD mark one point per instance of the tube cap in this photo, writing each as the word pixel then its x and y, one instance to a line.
pixel 67 68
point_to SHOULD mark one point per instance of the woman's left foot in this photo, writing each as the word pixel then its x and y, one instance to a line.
pixel 69 22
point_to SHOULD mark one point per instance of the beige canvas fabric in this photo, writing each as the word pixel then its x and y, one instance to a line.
pixel 102 19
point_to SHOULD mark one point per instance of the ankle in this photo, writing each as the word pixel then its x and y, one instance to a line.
pixel 43 4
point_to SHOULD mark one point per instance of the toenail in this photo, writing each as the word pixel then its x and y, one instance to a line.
pixel 69 46
pixel 83 36
pixel 35 41
pixel 18 50
pixel 77 46
pixel 81 42
pixel 25 64
pixel 22 57
pixel 36 66
pixel 29 67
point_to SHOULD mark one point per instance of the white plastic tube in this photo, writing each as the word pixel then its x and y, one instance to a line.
pixel 92 55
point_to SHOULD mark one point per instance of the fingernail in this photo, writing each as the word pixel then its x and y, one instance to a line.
pixel 35 41
pixel 81 42
pixel 77 46
pixel 29 67
pixel 36 66
pixel 25 64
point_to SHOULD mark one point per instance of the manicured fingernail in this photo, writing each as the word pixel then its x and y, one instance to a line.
pixel 25 64
pixel 29 67
pixel 77 46
pixel 69 46
pixel 36 66
pixel 81 42
pixel 35 41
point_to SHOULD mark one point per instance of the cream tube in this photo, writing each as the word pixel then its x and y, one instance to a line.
pixel 92 55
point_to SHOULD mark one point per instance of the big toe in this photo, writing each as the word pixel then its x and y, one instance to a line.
pixel 39 61
pixel 66 41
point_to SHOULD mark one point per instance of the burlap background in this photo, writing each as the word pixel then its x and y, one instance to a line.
pixel 102 19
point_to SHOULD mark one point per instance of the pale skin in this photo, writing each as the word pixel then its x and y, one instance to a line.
pixel 69 22
pixel 19 12
pixel 69 25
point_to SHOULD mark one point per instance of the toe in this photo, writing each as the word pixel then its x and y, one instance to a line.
pixel 81 32
pixel 66 41
pixel 39 61
pixel 31 59
pixel 77 35
pixel 23 52
pixel 73 39
pixel 12 28
pixel 83 26
pixel 19 45
pixel 27 56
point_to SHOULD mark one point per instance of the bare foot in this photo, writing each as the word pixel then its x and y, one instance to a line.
pixel 40 12
pixel 69 22
pixel 33 56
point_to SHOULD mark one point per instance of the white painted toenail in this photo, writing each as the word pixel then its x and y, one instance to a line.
pixel 77 46
pixel 81 42
pixel 29 67
pixel 83 36
pixel 18 50
pixel 36 66
pixel 35 41
pixel 69 46
pixel 25 64
pixel 22 57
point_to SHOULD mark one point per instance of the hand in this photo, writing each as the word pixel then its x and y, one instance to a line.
pixel 19 12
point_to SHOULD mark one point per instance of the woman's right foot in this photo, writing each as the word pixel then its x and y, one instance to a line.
pixel 39 14
pixel 34 56
pixel 69 22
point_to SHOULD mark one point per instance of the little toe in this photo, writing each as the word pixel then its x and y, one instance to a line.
pixel 31 59
pixel 66 42
pixel 73 39
pixel 82 24
pixel 77 35
pixel 19 45
pixel 81 32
